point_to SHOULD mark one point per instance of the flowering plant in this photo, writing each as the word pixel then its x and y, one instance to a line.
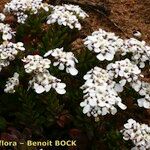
pixel 44 84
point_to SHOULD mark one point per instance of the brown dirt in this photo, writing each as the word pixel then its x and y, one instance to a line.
pixel 2 3
pixel 127 15
pixel 132 15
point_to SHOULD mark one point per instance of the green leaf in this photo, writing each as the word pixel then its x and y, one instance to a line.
pixel 2 123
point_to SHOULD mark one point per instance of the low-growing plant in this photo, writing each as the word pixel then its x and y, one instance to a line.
pixel 46 88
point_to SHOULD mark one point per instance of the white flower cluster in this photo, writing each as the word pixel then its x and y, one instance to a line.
pixel 100 96
pixel 36 63
pixel 8 51
pixel 76 10
pixel 20 7
pixel 67 15
pixel 21 17
pixel 42 80
pixel 143 88
pixel 64 59
pixel 123 69
pixel 2 17
pixel 105 44
pixel 6 31
pixel 11 83
pixel 138 133
pixel 139 50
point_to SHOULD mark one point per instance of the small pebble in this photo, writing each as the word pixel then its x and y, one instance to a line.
pixel 137 34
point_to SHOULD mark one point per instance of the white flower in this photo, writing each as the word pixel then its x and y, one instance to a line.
pixel 105 44
pixel 67 15
pixel 125 70
pixel 8 51
pixel 64 60
pixel 143 88
pixel 21 17
pixel 44 81
pixel 21 7
pixel 138 133
pixel 100 97
pixel 6 31
pixel 19 46
pixel 2 17
pixel 139 50
pixel 11 83
pixel 77 10
pixel 46 6
pixel 36 63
